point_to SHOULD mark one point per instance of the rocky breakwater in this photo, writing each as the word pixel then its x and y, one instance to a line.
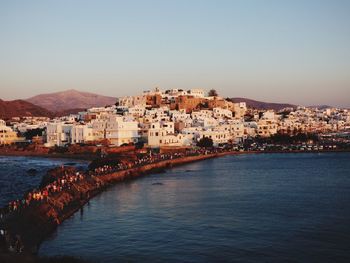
pixel 26 223
pixel 139 170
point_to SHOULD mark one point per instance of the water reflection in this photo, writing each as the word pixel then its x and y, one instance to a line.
pixel 245 208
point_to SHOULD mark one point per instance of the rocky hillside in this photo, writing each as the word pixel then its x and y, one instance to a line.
pixel 263 105
pixel 20 108
pixel 70 99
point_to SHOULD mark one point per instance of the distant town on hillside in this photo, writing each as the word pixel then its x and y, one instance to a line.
pixel 163 118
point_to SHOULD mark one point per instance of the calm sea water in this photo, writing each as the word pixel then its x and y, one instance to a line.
pixel 15 180
pixel 247 208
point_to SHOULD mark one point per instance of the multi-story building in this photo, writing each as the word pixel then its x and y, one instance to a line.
pixel 163 134
pixel 131 101
pixel 121 131
pixel 239 109
pixel 81 133
pixel 58 133
pixel 220 113
pixel 199 93
pixel 218 136
pixel 266 127
pixel 7 135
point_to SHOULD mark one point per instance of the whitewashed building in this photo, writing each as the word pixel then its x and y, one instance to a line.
pixel 7 135
pixel 199 93
pixel 220 113
pixel 163 134
pixel 120 130
pixel 81 133
pixel 218 136
pixel 58 133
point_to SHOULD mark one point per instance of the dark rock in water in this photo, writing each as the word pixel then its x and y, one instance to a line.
pixel 157 184
pixel 71 164
pixel 32 171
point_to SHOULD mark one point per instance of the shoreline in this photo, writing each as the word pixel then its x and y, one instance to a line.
pixel 90 157
pixel 83 157
pixel 35 224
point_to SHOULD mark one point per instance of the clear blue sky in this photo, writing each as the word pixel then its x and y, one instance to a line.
pixel 294 51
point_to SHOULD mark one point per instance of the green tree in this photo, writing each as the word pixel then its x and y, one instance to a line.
pixel 205 142
pixel 29 134
pixel 212 93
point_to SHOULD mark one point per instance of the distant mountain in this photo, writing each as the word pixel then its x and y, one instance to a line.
pixel 70 99
pixel 20 108
pixel 263 105
pixel 321 107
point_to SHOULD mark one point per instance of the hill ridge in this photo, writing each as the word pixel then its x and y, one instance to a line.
pixel 21 108
pixel 70 99
pixel 262 105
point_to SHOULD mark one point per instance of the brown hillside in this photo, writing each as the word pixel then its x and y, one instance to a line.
pixel 20 108
pixel 70 99
pixel 263 105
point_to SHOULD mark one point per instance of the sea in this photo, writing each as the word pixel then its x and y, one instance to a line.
pixel 240 208
pixel 16 179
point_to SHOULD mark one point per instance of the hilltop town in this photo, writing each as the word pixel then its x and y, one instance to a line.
pixel 177 118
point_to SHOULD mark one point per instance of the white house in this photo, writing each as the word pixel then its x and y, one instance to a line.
pixel 7 135
pixel 130 101
pixel 218 136
pixel 163 134
pixel 120 130
pixel 239 109
pixel 199 93
pixel 220 113
pixel 137 110
pixel 250 128
pixel 81 133
pixel 205 122
pixel 58 133
pixel 267 127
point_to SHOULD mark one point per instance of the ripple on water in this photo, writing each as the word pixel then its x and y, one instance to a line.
pixel 15 180
pixel 248 208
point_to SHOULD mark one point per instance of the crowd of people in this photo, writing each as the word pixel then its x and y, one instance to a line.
pixel 39 195
pixel 69 180
pixel 11 243
pixel 148 158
